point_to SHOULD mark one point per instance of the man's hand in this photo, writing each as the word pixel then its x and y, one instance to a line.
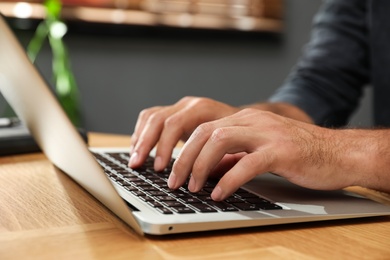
pixel 253 142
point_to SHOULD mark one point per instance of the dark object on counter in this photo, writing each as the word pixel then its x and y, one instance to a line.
pixel 16 139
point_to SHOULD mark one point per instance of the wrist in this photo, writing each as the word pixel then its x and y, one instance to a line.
pixel 284 109
pixel 366 157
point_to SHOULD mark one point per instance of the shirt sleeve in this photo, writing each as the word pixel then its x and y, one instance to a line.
pixel 328 80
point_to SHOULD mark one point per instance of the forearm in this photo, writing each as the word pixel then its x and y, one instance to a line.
pixel 283 109
pixel 365 155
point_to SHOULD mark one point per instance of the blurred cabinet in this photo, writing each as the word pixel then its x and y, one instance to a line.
pixel 245 15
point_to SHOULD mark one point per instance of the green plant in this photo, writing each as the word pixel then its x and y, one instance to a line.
pixel 54 29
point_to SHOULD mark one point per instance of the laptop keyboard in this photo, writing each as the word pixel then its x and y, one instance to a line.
pixel 151 187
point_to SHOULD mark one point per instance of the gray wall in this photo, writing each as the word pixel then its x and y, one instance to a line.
pixel 118 76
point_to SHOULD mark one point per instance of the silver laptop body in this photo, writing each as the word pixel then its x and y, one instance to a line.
pixel 29 95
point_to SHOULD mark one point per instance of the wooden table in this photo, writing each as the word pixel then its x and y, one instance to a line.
pixel 45 215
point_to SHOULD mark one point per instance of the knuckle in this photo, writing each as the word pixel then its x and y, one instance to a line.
pixel 268 115
pixel 179 164
pixel 145 112
pixel 186 99
pixel 251 115
pixel 157 117
pixel 171 121
pixel 199 102
pixel 203 129
pixel 148 112
pixel 198 167
pixel 266 160
pixel 250 110
pixel 219 135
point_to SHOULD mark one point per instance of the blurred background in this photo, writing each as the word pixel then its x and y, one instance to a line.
pixel 132 54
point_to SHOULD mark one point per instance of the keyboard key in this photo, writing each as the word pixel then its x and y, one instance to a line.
pixel 246 206
pixel 164 210
pixel 165 198
pixel 202 207
pixel 155 204
pixel 146 198
pixel 182 210
pixel 157 193
pixel 190 200
pixel 173 203
pixel 222 206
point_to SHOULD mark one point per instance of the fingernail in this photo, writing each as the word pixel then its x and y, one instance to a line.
pixel 192 185
pixel 133 159
pixel 217 194
pixel 158 164
pixel 172 180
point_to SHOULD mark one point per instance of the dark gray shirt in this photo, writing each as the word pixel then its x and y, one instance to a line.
pixel 349 50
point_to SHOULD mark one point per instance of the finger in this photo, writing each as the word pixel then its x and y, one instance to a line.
pixel 183 165
pixel 150 126
pixel 227 162
pixel 226 140
pixel 139 126
pixel 246 169
pixel 175 128
pixel 190 151
pixel 149 136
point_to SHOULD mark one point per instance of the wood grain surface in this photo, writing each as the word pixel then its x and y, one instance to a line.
pixel 45 215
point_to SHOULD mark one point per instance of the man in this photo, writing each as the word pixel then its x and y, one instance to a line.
pixel 290 135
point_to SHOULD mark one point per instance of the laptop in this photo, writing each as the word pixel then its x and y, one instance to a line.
pixel 140 197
